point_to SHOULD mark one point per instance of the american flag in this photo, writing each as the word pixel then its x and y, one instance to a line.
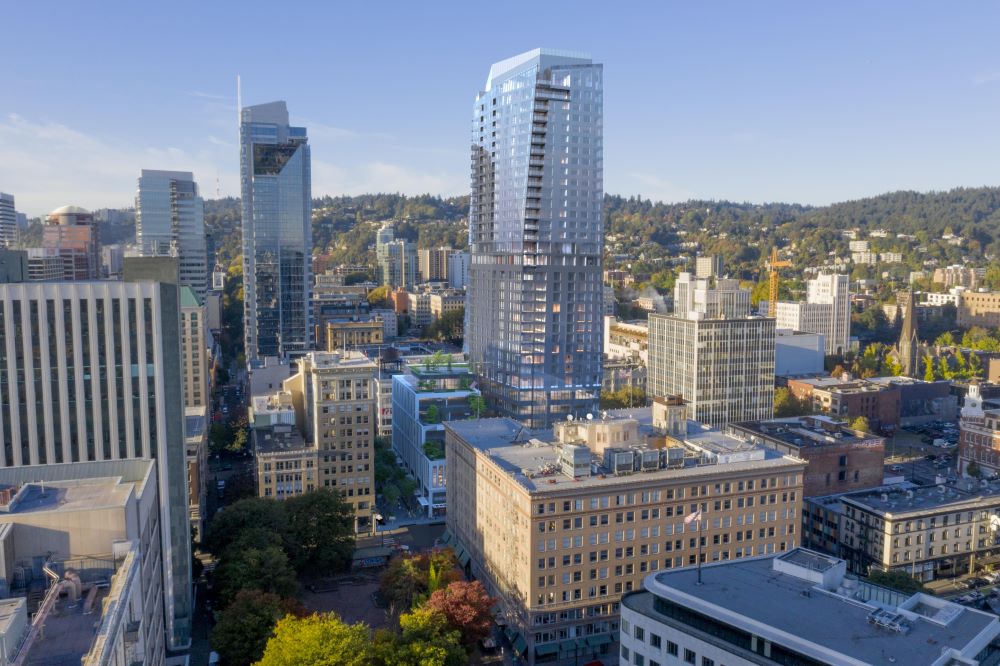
pixel 691 517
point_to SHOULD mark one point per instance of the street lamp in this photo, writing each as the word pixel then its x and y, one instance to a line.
pixel 376 517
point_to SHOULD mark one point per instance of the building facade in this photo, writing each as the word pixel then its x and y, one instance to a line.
pixel 276 182
pixel 723 368
pixel 170 220
pixel 334 398
pixel 536 234
pixel 71 234
pixel 977 308
pixel 458 270
pixel 979 436
pixel 433 263
pixel 8 221
pixel 194 350
pixel 558 543
pixel 626 340
pixel 826 311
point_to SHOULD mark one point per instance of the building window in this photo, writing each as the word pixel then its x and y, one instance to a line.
pixel 689 656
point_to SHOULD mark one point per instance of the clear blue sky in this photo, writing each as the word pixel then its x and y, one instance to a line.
pixel 759 101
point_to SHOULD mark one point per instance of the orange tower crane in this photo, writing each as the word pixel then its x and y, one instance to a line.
pixel 772 292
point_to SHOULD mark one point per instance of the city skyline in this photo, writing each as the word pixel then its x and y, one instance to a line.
pixel 804 104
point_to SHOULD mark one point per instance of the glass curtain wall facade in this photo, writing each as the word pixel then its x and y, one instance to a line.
pixel 277 233
pixel 170 221
pixel 533 314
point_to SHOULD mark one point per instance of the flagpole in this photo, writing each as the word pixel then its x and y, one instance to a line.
pixel 699 550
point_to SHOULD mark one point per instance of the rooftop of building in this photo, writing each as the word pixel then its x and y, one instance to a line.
pixel 805 431
pixel 69 629
pixel 340 359
pixel 70 210
pixel 278 440
pixel 909 498
pixel 189 299
pixel 535 457
pixel 73 495
pixel 195 422
pixel 272 403
pixel 860 623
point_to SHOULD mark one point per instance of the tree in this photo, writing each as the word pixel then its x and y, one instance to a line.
pixel 263 569
pixel 973 469
pixel 255 512
pixel 477 404
pixel 244 627
pixel 929 374
pixel 946 339
pixel 625 397
pixel 318 640
pixel 410 579
pixel 320 531
pixel 466 606
pixel 379 297
pixel 433 414
pixel 861 423
pixel 427 640
pixel 896 580
pixel 786 404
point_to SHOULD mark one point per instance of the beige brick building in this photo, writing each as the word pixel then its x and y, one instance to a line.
pixel 979 309
pixel 558 525
pixel 333 394
pixel 348 333
pixel 194 350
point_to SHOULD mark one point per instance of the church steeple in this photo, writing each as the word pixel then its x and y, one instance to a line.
pixel 909 343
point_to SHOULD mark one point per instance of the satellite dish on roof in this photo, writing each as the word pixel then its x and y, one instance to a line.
pixel 590 417
pixel 569 418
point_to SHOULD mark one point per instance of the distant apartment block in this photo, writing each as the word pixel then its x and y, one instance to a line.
pixel 958 276
pixel 979 309
pixel 433 263
pixel 458 270
pixel 708 266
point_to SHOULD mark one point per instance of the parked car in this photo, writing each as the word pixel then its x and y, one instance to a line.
pixel 896 468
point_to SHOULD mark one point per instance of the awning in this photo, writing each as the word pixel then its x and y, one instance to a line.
pixel 464 558
pixel 547 648
pixel 520 644
pixel 422 501
pixel 598 640
pixel 567 645
pixel 446 537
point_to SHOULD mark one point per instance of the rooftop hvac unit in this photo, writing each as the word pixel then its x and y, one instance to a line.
pixel 650 459
pixel 619 461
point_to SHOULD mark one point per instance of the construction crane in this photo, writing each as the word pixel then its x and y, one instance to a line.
pixel 772 292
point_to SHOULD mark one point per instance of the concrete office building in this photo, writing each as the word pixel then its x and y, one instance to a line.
pixel 285 462
pixel 826 311
pixel 798 607
pixel 559 524
pixel 533 327
pixel 708 266
pixel 170 220
pixel 94 528
pixel 9 231
pixel 334 398
pixel 102 381
pixel 424 399
pixel 797 353
pixel 433 263
pixel 13 265
pixel 276 182
pixel 713 353
pixel 45 265
pixel 458 270
pixel 70 233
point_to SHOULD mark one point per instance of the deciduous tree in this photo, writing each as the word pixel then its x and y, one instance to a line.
pixel 244 627
pixel 319 640
pixel 466 606
pixel 320 531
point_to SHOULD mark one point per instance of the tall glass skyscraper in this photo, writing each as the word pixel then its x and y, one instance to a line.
pixel 170 221
pixel 277 233
pixel 534 304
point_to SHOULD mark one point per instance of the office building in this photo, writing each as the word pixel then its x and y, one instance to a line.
pixel 194 350
pixel 8 221
pixel 337 417
pixel 277 233
pixel 710 298
pixel 429 394
pixel 558 524
pixel 799 607
pixel 433 263
pixel 533 328
pixel 797 353
pixel 850 399
pixel 398 264
pixel 979 436
pixel 196 447
pixel 419 309
pixel 13 265
pixel 976 308
pixel 353 332
pixel 458 270
pixel 826 311
pixel 81 551
pixel 90 371
pixel 716 356
pixel 708 266
pixel 285 464
pixel 445 301
pixel 45 265
pixel 70 233
pixel 170 220
pixel 839 459
pixel 928 532
pixel 112 261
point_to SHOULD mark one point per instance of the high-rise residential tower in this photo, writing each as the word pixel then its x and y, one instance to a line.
pixel 8 221
pixel 277 233
pixel 170 220
pixel 533 320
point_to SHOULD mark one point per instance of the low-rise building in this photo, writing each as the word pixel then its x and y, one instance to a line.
pixel 559 524
pixel 921 401
pixel 798 607
pixel 851 398
pixel 979 436
pixel 285 463
pixel 423 400
pixel 977 308
pixel 446 300
pixel 623 373
pixel 839 459
pixel 626 339
pixel 353 332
